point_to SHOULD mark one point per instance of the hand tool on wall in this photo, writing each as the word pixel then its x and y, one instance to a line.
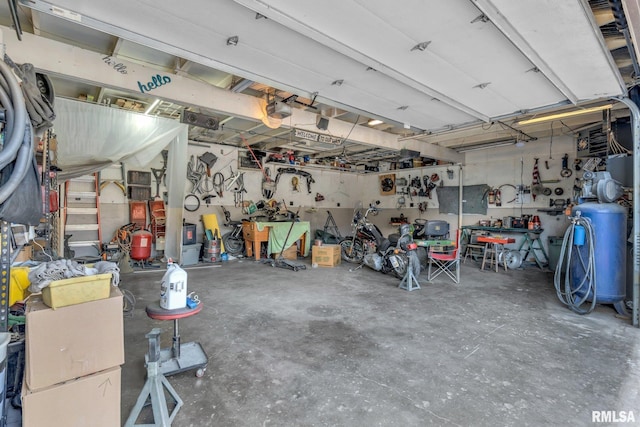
pixel 536 186
pixel 295 171
pixel 218 183
pixel 566 172
pixel 158 174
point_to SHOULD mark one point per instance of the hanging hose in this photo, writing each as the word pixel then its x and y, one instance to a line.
pixel 19 179
pixel 579 233
pixel 16 114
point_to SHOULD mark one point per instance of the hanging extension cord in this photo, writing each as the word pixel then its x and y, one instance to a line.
pixel 574 296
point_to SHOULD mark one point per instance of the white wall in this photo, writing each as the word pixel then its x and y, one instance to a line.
pixel 342 190
pixel 494 167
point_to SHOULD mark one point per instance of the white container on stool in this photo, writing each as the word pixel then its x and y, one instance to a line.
pixel 173 289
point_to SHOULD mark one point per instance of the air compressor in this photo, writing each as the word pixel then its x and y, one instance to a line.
pixel 173 288
pixel 593 248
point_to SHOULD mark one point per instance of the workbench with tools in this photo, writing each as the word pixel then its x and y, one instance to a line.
pixel 274 234
pixel 530 244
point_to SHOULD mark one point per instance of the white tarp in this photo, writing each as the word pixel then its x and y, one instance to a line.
pixel 92 137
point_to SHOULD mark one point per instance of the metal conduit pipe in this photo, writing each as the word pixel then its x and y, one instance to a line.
pixel 635 134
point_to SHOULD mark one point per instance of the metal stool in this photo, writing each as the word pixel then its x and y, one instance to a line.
pixel 473 250
pixel 180 357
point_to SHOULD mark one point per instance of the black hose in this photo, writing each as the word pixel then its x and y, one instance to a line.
pixel 19 144
pixel 16 100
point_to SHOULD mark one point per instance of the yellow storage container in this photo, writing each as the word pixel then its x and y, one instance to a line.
pixel 18 284
pixel 77 290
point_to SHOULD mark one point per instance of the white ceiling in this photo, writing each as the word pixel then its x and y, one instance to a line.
pixel 424 67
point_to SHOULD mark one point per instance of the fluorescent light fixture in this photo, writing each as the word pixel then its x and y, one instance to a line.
pixel 152 106
pixel 242 85
pixel 478 147
pixel 374 122
pixel 565 114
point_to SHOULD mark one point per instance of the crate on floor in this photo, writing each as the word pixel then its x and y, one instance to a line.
pixel 326 255
pixel 290 253
pixel 191 254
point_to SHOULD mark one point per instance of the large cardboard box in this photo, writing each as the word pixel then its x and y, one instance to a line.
pixel 73 341
pixel 325 255
pixel 93 401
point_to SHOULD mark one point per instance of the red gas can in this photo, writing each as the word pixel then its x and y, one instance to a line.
pixel 141 245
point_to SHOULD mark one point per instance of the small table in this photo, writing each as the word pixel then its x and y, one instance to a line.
pixel 531 243
pixel 180 357
pixel 497 245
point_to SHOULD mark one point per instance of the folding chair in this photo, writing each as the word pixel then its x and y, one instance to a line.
pixel 445 262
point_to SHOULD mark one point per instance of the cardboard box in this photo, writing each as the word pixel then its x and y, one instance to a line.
pixel 72 341
pixel 290 253
pixel 77 290
pixel 326 255
pixel 25 254
pixel 93 400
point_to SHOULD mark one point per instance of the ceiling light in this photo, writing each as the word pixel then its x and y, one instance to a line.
pixel 477 147
pixel 520 143
pixel 374 122
pixel 152 106
pixel 565 114
pixel 241 85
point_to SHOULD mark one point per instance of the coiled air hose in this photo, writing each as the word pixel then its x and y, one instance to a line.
pixel 18 146
pixel 579 233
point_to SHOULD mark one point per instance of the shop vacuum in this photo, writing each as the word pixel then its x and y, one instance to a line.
pixel 593 250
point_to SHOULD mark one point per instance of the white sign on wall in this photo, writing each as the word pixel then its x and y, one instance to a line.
pixel 318 137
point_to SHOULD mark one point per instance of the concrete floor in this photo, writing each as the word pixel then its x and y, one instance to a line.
pixel 327 346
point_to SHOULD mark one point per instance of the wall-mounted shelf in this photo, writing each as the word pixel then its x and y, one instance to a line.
pixel 352 169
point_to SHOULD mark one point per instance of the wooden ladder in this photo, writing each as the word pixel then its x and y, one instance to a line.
pixel 82 216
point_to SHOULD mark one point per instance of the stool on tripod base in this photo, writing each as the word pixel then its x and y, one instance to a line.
pixel 154 389
pixel 410 282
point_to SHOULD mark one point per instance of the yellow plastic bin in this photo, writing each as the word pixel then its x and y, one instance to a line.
pixel 18 284
pixel 61 293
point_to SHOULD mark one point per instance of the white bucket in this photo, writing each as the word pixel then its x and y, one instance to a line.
pixel 173 289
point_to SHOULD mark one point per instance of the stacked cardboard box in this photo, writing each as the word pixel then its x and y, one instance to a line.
pixel 73 358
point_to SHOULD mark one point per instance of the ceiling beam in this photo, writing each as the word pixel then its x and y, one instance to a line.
pixel 56 58
pixel 35 21
pixel 632 13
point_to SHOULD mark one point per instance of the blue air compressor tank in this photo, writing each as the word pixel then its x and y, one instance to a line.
pixel 609 223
